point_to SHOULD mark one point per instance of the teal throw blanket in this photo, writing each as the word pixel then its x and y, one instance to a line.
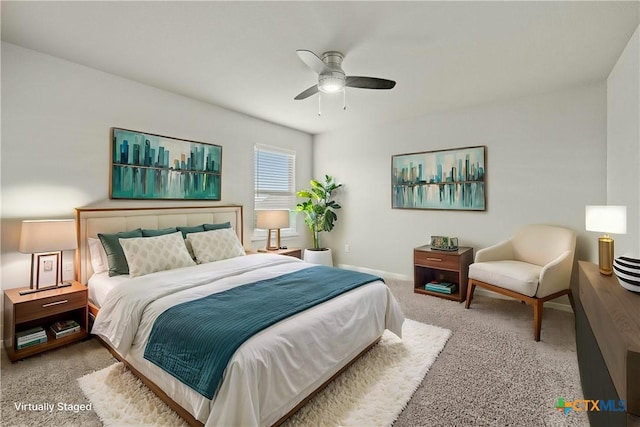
pixel 195 340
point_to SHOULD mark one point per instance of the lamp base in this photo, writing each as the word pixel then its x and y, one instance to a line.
pixel 273 248
pixel 605 255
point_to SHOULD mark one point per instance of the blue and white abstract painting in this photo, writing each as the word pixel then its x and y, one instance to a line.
pixel 148 166
pixel 445 179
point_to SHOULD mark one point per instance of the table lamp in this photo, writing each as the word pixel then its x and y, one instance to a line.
pixel 273 220
pixel 47 239
pixel 606 219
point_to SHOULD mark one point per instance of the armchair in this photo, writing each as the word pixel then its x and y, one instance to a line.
pixel 533 266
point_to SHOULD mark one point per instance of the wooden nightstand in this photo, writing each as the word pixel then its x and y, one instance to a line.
pixel 431 264
pixel 22 312
pixel 294 252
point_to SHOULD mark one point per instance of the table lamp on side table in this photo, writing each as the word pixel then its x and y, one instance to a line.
pixel 47 239
pixel 606 219
pixel 273 220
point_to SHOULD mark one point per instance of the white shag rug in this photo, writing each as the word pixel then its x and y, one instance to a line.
pixel 372 392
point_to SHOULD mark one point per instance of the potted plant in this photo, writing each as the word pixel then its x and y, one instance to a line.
pixel 319 210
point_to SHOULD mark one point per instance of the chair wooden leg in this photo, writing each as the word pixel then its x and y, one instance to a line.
pixel 470 288
pixel 573 304
pixel 537 318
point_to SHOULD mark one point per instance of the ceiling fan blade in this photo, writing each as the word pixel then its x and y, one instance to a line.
pixel 307 93
pixel 369 83
pixel 313 61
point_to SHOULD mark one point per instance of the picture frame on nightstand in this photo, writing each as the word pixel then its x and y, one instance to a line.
pixel 46 267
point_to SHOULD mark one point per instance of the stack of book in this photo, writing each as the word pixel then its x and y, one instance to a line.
pixel 30 337
pixel 64 327
pixel 441 287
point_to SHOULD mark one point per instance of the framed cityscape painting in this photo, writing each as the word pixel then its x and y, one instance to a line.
pixel 452 179
pixel 148 166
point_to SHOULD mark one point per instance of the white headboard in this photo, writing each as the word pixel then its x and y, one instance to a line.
pixel 91 221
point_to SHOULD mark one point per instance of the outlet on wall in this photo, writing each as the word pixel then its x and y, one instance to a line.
pixel 347 248
pixel 68 267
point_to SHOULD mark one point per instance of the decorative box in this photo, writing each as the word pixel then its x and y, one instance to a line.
pixel 444 243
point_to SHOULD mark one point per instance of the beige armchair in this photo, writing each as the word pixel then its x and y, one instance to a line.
pixel 533 266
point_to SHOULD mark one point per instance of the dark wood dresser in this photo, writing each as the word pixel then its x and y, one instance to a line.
pixel 608 344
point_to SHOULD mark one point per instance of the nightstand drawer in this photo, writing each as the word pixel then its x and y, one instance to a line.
pixel 44 307
pixel 436 260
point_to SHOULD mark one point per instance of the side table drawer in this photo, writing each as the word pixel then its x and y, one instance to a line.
pixel 436 260
pixel 44 307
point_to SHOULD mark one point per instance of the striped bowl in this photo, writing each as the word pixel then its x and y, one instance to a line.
pixel 627 270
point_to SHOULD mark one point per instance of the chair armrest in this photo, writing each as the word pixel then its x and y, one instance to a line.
pixel 498 252
pixel 556 276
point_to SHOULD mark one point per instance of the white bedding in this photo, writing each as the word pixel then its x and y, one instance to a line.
pixel 100 284
pixel 275 369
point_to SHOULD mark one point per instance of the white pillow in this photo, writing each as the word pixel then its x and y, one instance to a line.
pixel 147 255
pixel 99 261
pixel 215 245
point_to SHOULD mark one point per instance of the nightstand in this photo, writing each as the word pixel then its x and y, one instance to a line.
pixel 294 252
pixel 432 264
pixel 22 312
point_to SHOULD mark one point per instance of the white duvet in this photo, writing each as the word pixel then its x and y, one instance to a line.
pixel 275 369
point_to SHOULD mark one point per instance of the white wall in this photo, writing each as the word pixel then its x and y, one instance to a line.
pixel 545 162
pixel 56 120
pixel 623 143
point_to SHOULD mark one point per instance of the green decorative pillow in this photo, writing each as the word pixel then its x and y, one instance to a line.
pixel 222 225
pixel 215 245
pixel 115 256
pixel 162 232
pixel 146 255
pixel 193 229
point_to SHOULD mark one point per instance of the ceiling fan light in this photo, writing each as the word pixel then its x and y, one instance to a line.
pixel 331 84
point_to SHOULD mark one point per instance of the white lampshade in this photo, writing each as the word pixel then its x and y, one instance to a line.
pixel 272 220
pixel 606 219
pixel 47 236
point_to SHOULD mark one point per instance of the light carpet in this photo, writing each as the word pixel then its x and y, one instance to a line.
pixel 372 392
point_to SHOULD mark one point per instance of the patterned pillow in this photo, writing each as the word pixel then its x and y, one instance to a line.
pixel 215 245
pixel 147 255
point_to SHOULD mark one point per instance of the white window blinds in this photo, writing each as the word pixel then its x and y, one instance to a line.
pixel 274 178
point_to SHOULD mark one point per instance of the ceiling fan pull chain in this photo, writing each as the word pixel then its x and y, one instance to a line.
pixel 344 99
pixel 319 104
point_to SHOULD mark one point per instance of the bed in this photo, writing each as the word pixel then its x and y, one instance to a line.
pixel 271 374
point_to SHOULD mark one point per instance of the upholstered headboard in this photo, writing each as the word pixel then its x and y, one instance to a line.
pixel 91 221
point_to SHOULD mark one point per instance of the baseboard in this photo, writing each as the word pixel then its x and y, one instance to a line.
pixel 479 291
pixel 381 273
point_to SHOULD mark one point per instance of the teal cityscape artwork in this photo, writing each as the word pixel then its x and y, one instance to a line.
pixel 147 166
pixel 445 179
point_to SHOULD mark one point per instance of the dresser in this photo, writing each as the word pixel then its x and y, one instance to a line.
pixel 608 344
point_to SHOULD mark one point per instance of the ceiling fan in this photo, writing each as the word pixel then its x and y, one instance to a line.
pixel 332 78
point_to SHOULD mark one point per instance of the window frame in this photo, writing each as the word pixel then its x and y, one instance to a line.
pixel 259 233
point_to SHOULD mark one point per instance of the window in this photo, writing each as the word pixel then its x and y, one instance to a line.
pixel 274 183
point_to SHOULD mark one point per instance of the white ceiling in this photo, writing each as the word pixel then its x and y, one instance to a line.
pixel 241 55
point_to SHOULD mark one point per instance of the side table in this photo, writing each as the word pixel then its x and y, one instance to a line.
pixel 444 266
pixel 294 252
pixel 23 312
